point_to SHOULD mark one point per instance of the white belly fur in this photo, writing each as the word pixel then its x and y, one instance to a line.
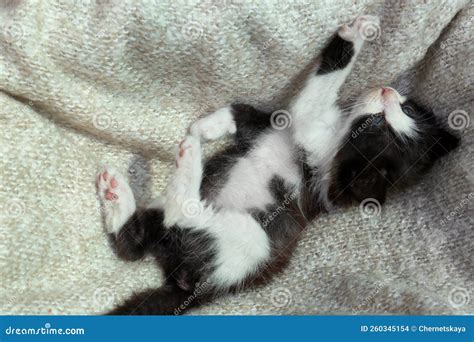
pixel 247 183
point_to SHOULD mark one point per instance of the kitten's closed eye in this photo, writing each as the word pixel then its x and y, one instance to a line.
pixel 408 110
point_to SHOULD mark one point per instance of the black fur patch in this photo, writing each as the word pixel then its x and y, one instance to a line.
pixel 310 197
pixel 250 124
pixel 167 300
pixel 283 222
pixel 375 159
pixel 216 170
pixel 188 256
pixel 142 231
pixel 336 55
pixel 184 254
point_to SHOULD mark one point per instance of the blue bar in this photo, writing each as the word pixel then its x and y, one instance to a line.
pixel 238 328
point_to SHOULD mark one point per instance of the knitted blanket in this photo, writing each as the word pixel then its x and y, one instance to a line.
pixel 83 83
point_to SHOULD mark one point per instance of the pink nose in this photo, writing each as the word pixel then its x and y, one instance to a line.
pixel 385 91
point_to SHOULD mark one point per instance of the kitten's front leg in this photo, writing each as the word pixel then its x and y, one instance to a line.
pixel 314 111
pixel 215 125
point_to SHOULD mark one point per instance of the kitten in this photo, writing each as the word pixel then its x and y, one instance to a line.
pixel 234 222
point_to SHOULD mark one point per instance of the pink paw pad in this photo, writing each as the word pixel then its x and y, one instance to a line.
pixel 182 148
pixel 106 184
pixel 102 176
pixel 110 195
pixel 182 151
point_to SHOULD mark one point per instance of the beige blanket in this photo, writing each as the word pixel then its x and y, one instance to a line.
pixel 84 83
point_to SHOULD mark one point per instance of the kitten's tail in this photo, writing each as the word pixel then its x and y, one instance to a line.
pixel 166 300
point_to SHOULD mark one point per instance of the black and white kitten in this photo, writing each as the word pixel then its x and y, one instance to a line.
pixel 234 222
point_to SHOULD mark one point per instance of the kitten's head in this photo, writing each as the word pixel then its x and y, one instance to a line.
pixel 391 141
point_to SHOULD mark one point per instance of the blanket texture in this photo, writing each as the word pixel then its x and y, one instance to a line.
pixel 84 83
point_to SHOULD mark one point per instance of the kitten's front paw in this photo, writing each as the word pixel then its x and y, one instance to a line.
pixel 188 152
pixel 116 196
pixel 365 27
pixel 215 125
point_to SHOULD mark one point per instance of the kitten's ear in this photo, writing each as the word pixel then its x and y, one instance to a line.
pixel 371 183
pixel 445 142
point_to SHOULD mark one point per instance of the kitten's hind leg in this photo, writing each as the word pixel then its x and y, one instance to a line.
pixel 133 231
pixel 138 231
pixel 117 200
